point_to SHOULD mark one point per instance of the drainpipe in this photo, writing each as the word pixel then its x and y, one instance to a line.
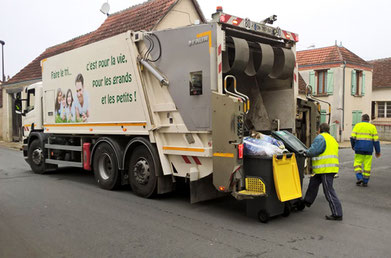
pixel 343 100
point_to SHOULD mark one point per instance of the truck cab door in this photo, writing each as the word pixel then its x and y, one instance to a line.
pixel 29 118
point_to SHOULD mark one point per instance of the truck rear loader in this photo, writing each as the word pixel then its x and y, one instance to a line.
pixel 149 108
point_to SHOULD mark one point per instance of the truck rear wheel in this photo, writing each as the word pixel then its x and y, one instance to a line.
pixel 36 157
pixel 105 166
pixel 142 172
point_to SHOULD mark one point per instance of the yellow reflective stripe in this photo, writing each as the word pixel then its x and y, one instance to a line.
pixel 364 138
pixel 94 124
pixel 224 155
pixel 183 149
pixel 326 166
pixel 325 157
pixel 364 134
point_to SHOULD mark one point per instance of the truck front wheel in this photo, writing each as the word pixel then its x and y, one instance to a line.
pixel 36 157
pixel 142 171
pixel 105 166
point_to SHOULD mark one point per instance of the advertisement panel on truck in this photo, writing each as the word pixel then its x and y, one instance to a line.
pixel 93 84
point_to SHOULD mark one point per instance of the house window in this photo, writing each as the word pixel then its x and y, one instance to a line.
pixel 384 109
pixel 358 83
pixel 321 81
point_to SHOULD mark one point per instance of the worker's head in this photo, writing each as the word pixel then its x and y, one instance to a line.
pixel 324 128
pixel 79 84
pixel 365 118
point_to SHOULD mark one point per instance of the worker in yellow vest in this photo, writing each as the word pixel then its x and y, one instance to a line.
pixel 325 165
pixel 364 139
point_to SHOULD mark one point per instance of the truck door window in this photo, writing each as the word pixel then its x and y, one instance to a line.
pixel 195 83
pixel 30 100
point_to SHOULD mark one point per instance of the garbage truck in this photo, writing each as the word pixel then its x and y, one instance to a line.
pixel 150 108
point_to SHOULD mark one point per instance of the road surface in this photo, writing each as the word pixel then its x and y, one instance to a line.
pixel 65 214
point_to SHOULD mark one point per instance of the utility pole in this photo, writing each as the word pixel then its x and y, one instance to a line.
pixel 2 58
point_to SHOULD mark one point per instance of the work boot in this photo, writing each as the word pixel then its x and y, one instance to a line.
pixel 359 182
pixel 365 184
pixel 307 204
pixel 333 217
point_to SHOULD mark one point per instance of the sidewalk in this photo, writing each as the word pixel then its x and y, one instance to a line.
pixel 346 144
pixel 11 145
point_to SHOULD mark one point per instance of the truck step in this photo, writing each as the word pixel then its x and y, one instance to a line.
pixel 64 163
pixel 251 193
pixel 62 147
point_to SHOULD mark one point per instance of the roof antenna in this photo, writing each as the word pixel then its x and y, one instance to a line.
pixel 105 8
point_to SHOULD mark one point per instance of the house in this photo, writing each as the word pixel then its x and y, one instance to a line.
pixel 151 15
pixel 343 79
pixel 381 97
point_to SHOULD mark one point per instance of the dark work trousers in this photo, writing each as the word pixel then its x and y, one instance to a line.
pixel 331 196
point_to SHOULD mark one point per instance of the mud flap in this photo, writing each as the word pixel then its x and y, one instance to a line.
pixel 203 190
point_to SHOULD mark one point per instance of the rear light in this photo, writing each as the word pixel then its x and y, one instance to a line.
pixel 240 151
pixel 223 18
pixel 221 188
pixel 235 22
pixel 295 37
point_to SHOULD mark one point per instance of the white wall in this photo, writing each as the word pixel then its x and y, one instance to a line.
pixel 182 14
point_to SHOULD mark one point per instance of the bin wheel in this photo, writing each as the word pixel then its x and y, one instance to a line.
pixel 287 209
pixel 263 216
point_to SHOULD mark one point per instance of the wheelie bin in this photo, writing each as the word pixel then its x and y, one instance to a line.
pixel 263 208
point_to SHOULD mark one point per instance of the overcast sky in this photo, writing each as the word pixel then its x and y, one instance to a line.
pixel 29 27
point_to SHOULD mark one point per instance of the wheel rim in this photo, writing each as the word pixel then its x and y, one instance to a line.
pixel 105 166
pixel 37 156
pixel 141 171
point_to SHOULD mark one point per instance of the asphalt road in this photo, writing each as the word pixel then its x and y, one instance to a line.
pixel 65 214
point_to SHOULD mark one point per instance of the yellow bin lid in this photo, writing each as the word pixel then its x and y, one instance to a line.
pixel 286 178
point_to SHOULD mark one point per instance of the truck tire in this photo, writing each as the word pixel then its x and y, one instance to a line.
pixel 36 157
pixel 105 166
pixel 142 172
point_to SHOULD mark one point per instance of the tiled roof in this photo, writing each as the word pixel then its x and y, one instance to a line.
pixel 329 56
pixel 302 85
pixel 145 16
pixel 381 77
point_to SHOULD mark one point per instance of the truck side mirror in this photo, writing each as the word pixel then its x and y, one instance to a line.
pixel 18 107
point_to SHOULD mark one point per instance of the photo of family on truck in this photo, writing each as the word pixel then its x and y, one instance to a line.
pixel 69 109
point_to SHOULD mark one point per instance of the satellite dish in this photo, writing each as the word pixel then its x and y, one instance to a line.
pixel 105 8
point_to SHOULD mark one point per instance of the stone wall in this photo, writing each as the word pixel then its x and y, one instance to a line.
pixel 384 132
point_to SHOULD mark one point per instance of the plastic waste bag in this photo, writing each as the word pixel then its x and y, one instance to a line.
pixel 268 139
pixel 258 147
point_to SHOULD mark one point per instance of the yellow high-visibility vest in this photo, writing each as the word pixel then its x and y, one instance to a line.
pixel 327 162
pixel 365 132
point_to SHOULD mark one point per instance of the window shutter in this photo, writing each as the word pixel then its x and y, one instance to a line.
pixel 322 116
pixel 363 84
pixel 354 82
pixel 354 118
pixel 330 82
pixel 312 82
